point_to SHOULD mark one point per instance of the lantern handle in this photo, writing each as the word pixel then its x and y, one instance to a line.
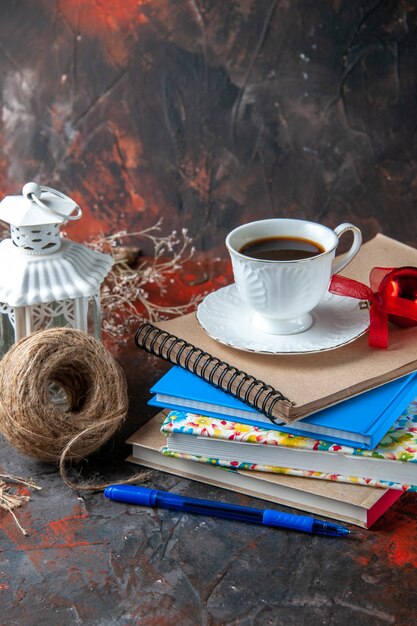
pixel 33 192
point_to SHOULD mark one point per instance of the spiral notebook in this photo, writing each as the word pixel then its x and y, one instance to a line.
pixel 293 386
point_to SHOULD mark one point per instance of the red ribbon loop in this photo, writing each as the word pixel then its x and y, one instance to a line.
pixel 383 297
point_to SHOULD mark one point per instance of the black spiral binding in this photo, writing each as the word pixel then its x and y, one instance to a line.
pixel 148 337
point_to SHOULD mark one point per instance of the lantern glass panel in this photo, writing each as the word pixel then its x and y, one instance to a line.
pixel 7 330
pixel 53 315
pixel 94 316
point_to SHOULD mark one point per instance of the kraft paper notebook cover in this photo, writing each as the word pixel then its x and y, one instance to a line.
pixel 360 421
pixel 293 386
pixel 349 503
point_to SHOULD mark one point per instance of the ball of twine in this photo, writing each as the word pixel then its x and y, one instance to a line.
pixel 94 385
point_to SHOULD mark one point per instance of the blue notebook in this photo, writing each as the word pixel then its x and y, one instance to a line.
pixel 361 421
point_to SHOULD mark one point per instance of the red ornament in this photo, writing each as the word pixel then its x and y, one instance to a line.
pixel 392 295
pixel 401 283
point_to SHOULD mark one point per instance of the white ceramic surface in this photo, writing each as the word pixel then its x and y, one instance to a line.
pixel 337 320
pixel 74 271
pixel 282 294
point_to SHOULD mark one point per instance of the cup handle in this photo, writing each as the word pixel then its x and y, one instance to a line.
pixel 339 264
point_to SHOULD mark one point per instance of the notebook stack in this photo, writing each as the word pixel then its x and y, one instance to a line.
pixel 345 417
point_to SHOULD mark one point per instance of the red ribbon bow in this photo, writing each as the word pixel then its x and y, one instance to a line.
pixel 392 295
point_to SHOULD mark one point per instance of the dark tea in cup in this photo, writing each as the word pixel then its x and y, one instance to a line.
pixel 281 249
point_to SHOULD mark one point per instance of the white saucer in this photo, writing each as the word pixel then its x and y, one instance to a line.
pixel 338 320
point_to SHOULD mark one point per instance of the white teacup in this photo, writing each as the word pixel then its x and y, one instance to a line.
pixel 281 293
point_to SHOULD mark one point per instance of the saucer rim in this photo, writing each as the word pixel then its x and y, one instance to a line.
pixel 277 353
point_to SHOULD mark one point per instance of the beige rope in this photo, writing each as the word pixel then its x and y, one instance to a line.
pixel 94 385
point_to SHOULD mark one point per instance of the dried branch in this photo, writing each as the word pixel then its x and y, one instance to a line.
pixel 10 500
pixel 126 295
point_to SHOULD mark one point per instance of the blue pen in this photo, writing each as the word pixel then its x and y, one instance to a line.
pixel 152 497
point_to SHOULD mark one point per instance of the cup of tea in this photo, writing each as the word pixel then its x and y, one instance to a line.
pixel 282 269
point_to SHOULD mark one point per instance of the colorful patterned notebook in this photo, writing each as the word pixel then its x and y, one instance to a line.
pixel 393 463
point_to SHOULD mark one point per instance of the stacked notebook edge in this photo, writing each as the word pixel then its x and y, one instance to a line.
pixel 392 464
pixel 360 421
pixel 354 504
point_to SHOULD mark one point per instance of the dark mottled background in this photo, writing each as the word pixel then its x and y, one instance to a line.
pixel 212 113
pixel 208 113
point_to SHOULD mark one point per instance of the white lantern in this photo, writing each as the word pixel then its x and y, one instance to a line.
pixel 45 279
